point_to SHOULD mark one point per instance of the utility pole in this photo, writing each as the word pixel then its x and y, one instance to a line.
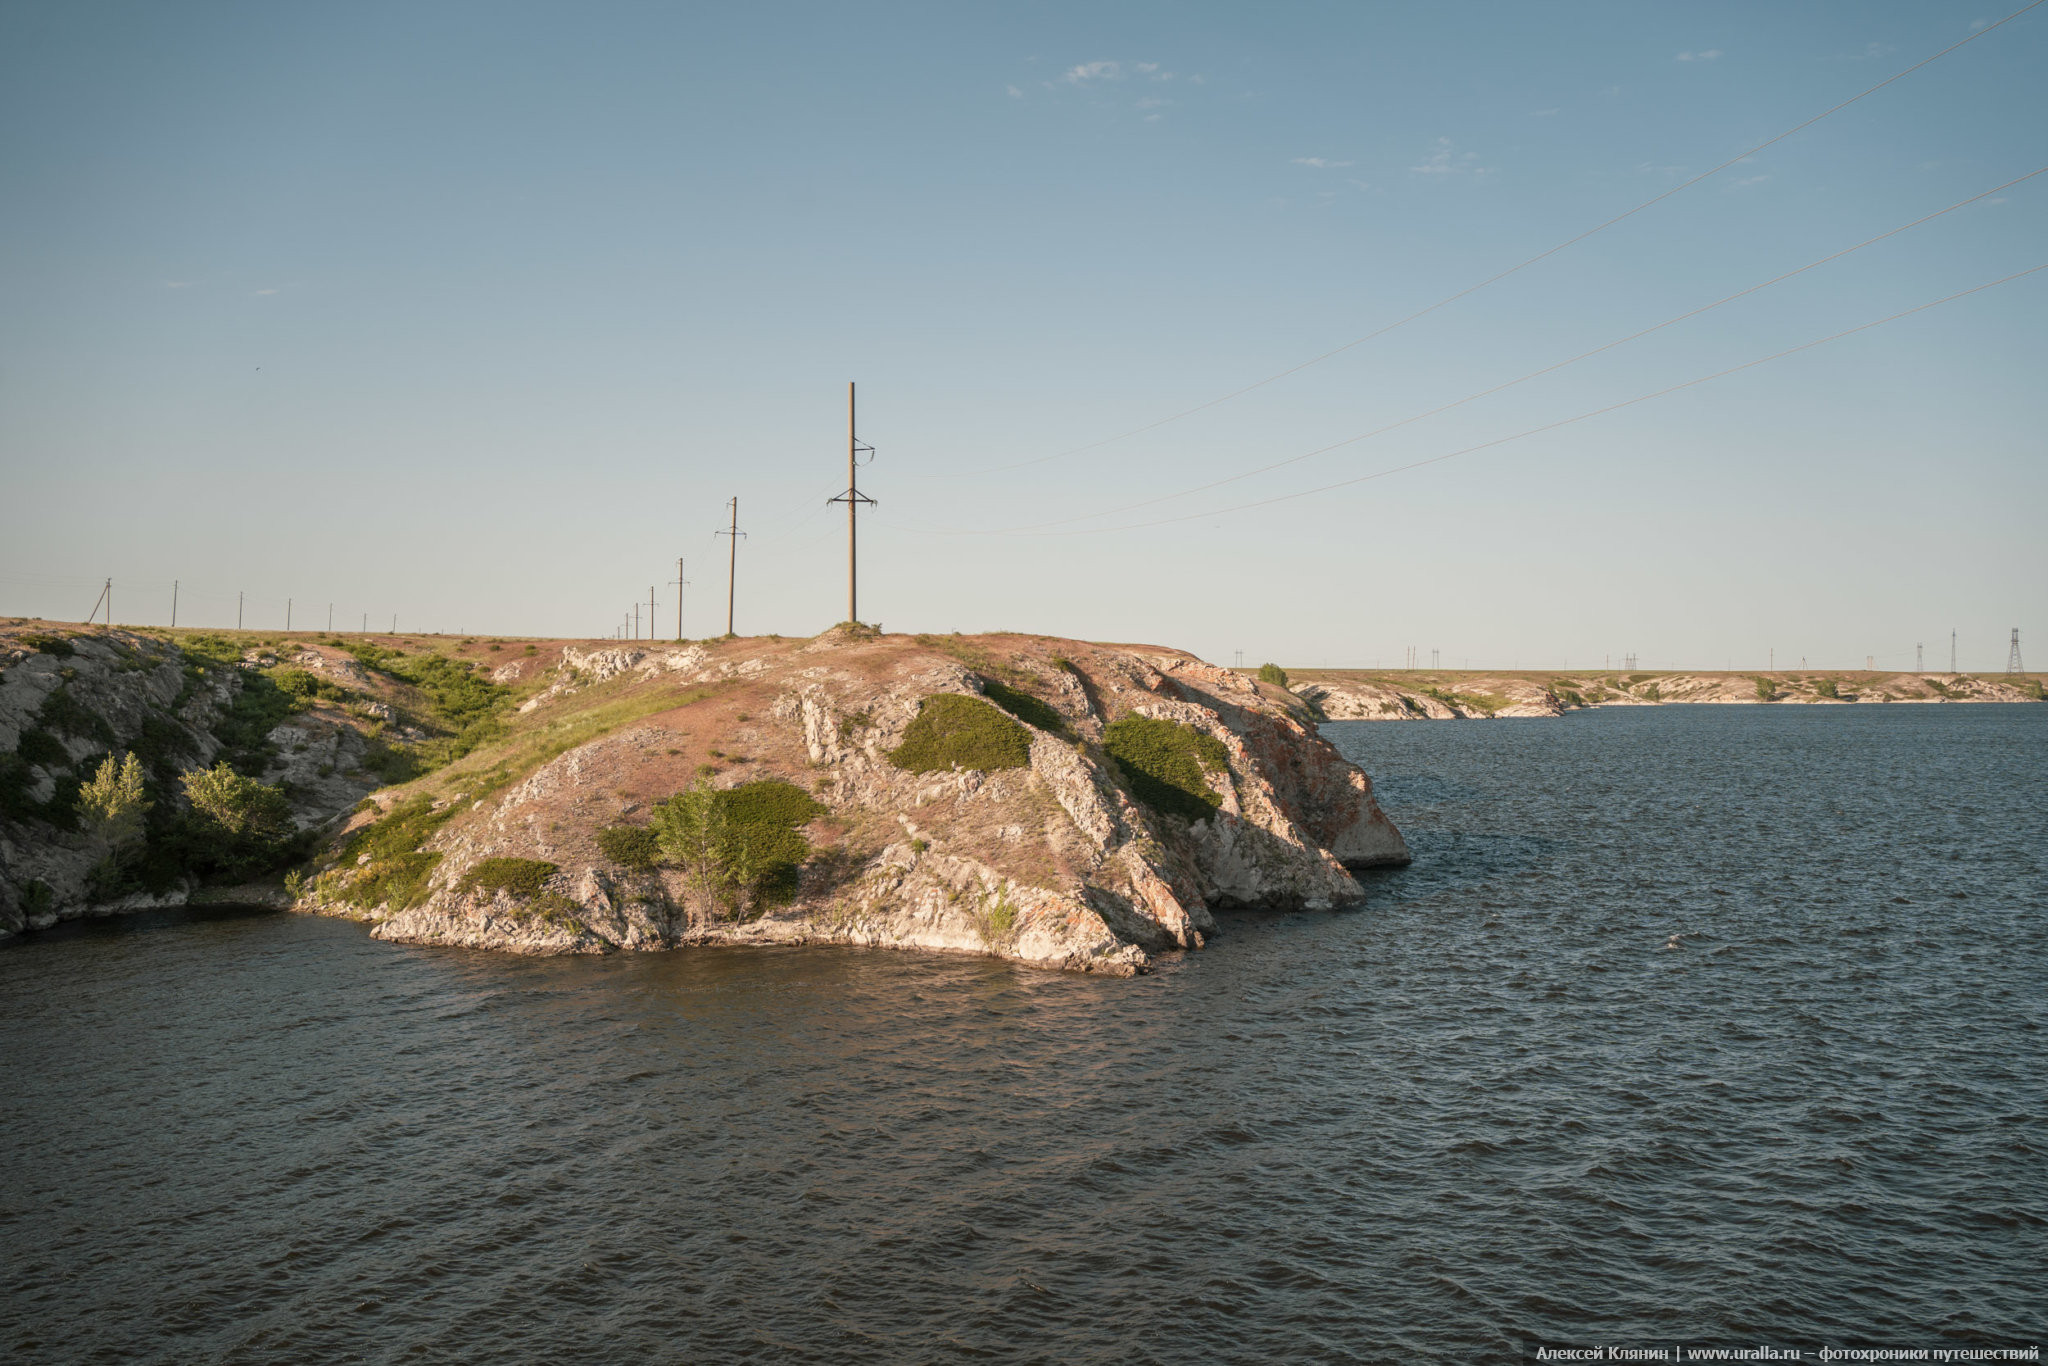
pixel 650 613
pixel 238 611
pixel 330 618
pixel 681 584
pixel 853 498
pixel 287 614
pixel 174 604
pixel 1951 651
pixel 636 621
pixel 2012 660
pixel 366 623
pixel 105 593
pixel 1919 660
pixel 732 564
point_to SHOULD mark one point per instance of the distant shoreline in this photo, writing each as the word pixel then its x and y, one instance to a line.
pixel 1478 694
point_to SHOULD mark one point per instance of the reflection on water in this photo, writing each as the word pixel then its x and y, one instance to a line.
pixel 1701 1023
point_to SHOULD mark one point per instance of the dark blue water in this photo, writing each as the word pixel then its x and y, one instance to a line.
pixel 1720 1024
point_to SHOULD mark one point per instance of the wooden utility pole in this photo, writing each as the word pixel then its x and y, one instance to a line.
pixel 174 602
pixel 287 614
pixel 238 611
pixel 853 498
pixel 650 612
pixel 732 564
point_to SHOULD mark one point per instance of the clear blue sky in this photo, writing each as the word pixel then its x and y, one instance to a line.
pixel 479 313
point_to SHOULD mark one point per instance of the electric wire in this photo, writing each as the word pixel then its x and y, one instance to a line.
pixel 1519 267
pixel 1518 436
pixel 1533 374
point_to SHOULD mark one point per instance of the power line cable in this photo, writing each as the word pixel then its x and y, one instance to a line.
pixel 1532 431
pixel 1533 374
pixel 1521 266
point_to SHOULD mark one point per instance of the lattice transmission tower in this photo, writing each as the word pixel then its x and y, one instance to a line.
pixel 2012 660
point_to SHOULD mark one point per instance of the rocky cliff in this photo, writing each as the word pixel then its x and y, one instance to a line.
pixel 69 698
pixel 1071 851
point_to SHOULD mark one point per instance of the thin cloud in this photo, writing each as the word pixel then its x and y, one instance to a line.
pixel 1751 180
pixel 1707 56
pixel 266 291
pixel 1444 158
pixel 1980 25
pixel 1322 163
pixel 1094 71
pixel 1015 93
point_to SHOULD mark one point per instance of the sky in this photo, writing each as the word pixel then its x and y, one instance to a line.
pixel 473 317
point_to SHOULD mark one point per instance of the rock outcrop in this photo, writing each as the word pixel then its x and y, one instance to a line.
pixel 1053 862
pixel 70 698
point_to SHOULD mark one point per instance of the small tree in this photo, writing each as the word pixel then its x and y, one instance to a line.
pixel 1826 688
pixel 112 805
pixel 1765 690
pixel 1274 674
pixel 689 828
pixel 237 825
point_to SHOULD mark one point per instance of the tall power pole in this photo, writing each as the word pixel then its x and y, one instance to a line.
pixel 1919 659
pixel 732 564
pixel 681 584
pixel 2012 660
pixel 1951 651
pixel 650 611
pixel 238 611
pixel 174 602
pixel 853 498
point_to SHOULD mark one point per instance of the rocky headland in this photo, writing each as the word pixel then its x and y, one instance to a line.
pixel 1060 803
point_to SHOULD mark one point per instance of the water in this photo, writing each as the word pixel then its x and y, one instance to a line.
pixel 1716 1024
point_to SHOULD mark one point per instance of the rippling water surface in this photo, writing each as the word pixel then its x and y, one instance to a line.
pixel 1707 1023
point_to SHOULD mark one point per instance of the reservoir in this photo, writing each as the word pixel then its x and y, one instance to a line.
pixel 1719 1024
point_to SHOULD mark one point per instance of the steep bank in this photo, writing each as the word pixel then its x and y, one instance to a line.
pixel 286 734
pixel 1444 695
pixel 1056 802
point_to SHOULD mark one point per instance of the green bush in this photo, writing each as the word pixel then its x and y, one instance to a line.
pixel 1164 761
pixel 236 826
pixel 953 730
pixel 1024 707
pixel 630 846
pixel 738 845
pixel 1766 690
pixel 1274 674
pixel 2031 687
pixel 397 872
pixel 524 877
pixel 1826 688
pixel 470 707
pixel 259 707
pixel 41 747
pixel 62 713
pixel 49 645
